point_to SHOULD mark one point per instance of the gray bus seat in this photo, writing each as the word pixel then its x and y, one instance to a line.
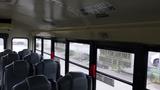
pixel 38 82
pixel 32 58
pixel 49 68
pixel 75 81
pixel 23 53
pixel 15 73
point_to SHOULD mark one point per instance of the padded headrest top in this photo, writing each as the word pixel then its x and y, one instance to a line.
pixel 24 52
pixel 74 81
pixel 4 57
pixel 65 82
pixel 32 58
pixel 9 58
pixel 77 74
pixel 35 56
pixel 38 82
pixel 79 81
pixel 7 51
pixel 13 55
pixel 50 69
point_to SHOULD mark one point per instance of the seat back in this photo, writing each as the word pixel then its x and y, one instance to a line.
pixel 74 81
pixel 32 58
pixel 2 67
pixel 15 73
pixel 5 52
pixel 38 82
pixel 49 68
pixel 6 60
pixel 1 54
pixel 9 58
pixel 23 53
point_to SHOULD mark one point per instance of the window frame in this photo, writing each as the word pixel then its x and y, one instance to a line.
pixel 80 42
pixel 20 38
pixel 5 38
pixel 35 43
pixel 150 48
pixel 138 49
pixel 114 77
pixel 140 53
pixel 54 48
pixel 46 39
pixel 3 43
pixel 88 42
pixel 43 46
pixel 61 40
pixel 140 61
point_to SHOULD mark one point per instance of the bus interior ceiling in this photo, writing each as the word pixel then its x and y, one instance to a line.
pixel 134 21
pixel 130 21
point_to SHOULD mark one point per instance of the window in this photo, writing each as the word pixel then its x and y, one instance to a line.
pixel 39 52
pixel 60 55
pixel 73 67
pixel 18 44
pixel 38 44
pixel 79 54
pixel 47 49
pixel 1 45
pixel 117 64
pixel 60 50
pixel 153 73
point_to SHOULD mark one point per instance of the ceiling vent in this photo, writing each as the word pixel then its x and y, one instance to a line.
pixel 99 9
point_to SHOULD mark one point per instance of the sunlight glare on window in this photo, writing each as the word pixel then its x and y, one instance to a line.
pixel 1 45
pixel 18 44
pixel 38 43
